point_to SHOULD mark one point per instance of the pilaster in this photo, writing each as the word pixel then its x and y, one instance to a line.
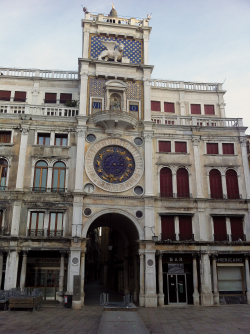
pixel 22 157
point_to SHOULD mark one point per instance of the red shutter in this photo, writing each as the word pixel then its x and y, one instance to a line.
pixel 166 182
pixel 232 184
pixel 50 97
pixel 228 148
pixel 220 230
pixel 5 95
pixel 65 97
pixel 164 146
pixel 209 109
pixel 167 228
pixel 5 136
pixel 212 148
pixel 195 109
pixel 155 105
pixel 168 107
pixel 185 227
pixel 180 147
pixel 236 228
pixel 182 183
pixel 20 96
pixel 215 184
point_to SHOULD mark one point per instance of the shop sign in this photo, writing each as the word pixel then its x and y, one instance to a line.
pixel 175 259
pixel 229 260
pixel 40 260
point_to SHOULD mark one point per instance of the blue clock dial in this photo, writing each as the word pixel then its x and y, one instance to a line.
pixel 114 164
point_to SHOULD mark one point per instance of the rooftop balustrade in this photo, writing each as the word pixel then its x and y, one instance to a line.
pixel 38 110
pixel 200 86
pixel 46 74
pixel 117 20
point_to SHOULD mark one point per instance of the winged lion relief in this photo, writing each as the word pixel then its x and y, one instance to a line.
pixel 111 52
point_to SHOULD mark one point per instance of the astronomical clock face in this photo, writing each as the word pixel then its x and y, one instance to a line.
pixel 114 165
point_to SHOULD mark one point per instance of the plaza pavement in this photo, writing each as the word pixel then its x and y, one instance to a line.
pixel 231 319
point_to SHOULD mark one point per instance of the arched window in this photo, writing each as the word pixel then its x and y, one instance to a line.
pixel 215 184
pixel 232 184
pixel 182 183
pixel 40 179
pixel 166 182
pixel 58 181
pixel 3 173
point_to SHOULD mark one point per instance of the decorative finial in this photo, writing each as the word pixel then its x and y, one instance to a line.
pixel 113 5
pixel 85 9
pixel 149 17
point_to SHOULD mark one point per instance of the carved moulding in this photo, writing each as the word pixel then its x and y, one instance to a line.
pixel 109 186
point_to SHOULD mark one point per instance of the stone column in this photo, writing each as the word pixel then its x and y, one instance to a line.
pixel 206 288
pixel 177 227
pixel 150 276
pixel 82 276
pixel 196 296
pixel 83 91
pixel 126 287
pixel 174 182
pixel 215 282
pixel 61 278
pixel 197 164
pixel 148 164
pixel 21 159
pixel 224 184
pixel 81 133
pixel 142 281
pixel 85 43
pixel 247 278
pixel 146 49
pixel 23 271
pixel 147 102
pixel 135 278
pixel 16 218
pixel 11 270
pixel 245 166
pixel 1 268
pixel 160 281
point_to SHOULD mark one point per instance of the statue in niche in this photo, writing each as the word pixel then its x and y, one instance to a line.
pixel 115 102
pixel 111 52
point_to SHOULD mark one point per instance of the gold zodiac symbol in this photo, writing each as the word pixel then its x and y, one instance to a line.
pixel 110 150
pixel 99 170
pixel 126 174
pixel 101 155
pixel 98 163
pixel 122 177
pixel 127 158
pixel 130 165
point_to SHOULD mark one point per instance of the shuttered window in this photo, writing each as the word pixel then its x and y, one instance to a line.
pixel 166 182
pixel 236 228
pixel 20 96
pixel 228 148
pixel 195 109
pixel 212 148
pixel 5 136
pixel 180 147
pixel 209 109
pixel 5 95
pixel 167 228
pixel 182 183
pixel 232 184
pixel 155 105
pixel 169 107
pixel 65 97
pixel 185 227
pixel 164 146
pixel 50 98
pixel 220 230
pixel 215 184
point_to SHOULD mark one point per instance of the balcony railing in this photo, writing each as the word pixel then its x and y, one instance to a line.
pixel 173 195
pixel 3 188
pixel 221 237
pixel 163 194
pixel 169 237
pixel 35 233
pixel 44 190
pixel 55 233
pixel 186 236
pixel 238 237
pixel 200 86
pixel 234 196
pixel 50 74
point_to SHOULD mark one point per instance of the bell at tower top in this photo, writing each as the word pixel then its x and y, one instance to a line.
pixel 113 12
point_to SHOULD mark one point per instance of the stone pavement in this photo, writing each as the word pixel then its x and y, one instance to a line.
pixel 231 319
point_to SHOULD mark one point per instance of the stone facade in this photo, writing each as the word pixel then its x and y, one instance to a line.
pixel 55 188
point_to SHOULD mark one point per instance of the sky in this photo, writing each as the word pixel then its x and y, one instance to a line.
pixel 191 40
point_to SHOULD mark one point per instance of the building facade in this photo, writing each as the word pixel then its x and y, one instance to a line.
pixel 153 165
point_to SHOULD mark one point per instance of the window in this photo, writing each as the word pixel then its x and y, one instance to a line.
pixel 5 95
pixel 5 136
pixel 40 179
pixel 169 107
pixel 165 146
pixel 212 148
pixel 96 105
pixel 180 147
pixel 65 97
pixel 220 230
pixel 237 229
pixel 166 182
pixel 134 109
pixel 182 183
pixel 227 148
pixel 167 228
pixel 50 98
pixel 43 138
pixel 55 224
pixel 3 173
pixel 215 184
pixel 195 109
pixel 209 109
pixel 155 105
pixel 36 224
pixel 185 228
pixel 58 182
pixel 232 184
pixel 230 280
pixel 61 139
pixel 20 96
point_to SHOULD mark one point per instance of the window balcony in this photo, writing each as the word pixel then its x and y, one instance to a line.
pixel 186 237
pixel 234 196
pixel 184 195
pixel 173 195
pixel 35 233
pixel 55 233
pixel 238 237
pixel 221 237
pixel 3 188
pixel 169 237
pixel 44 190
pixel 169 194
